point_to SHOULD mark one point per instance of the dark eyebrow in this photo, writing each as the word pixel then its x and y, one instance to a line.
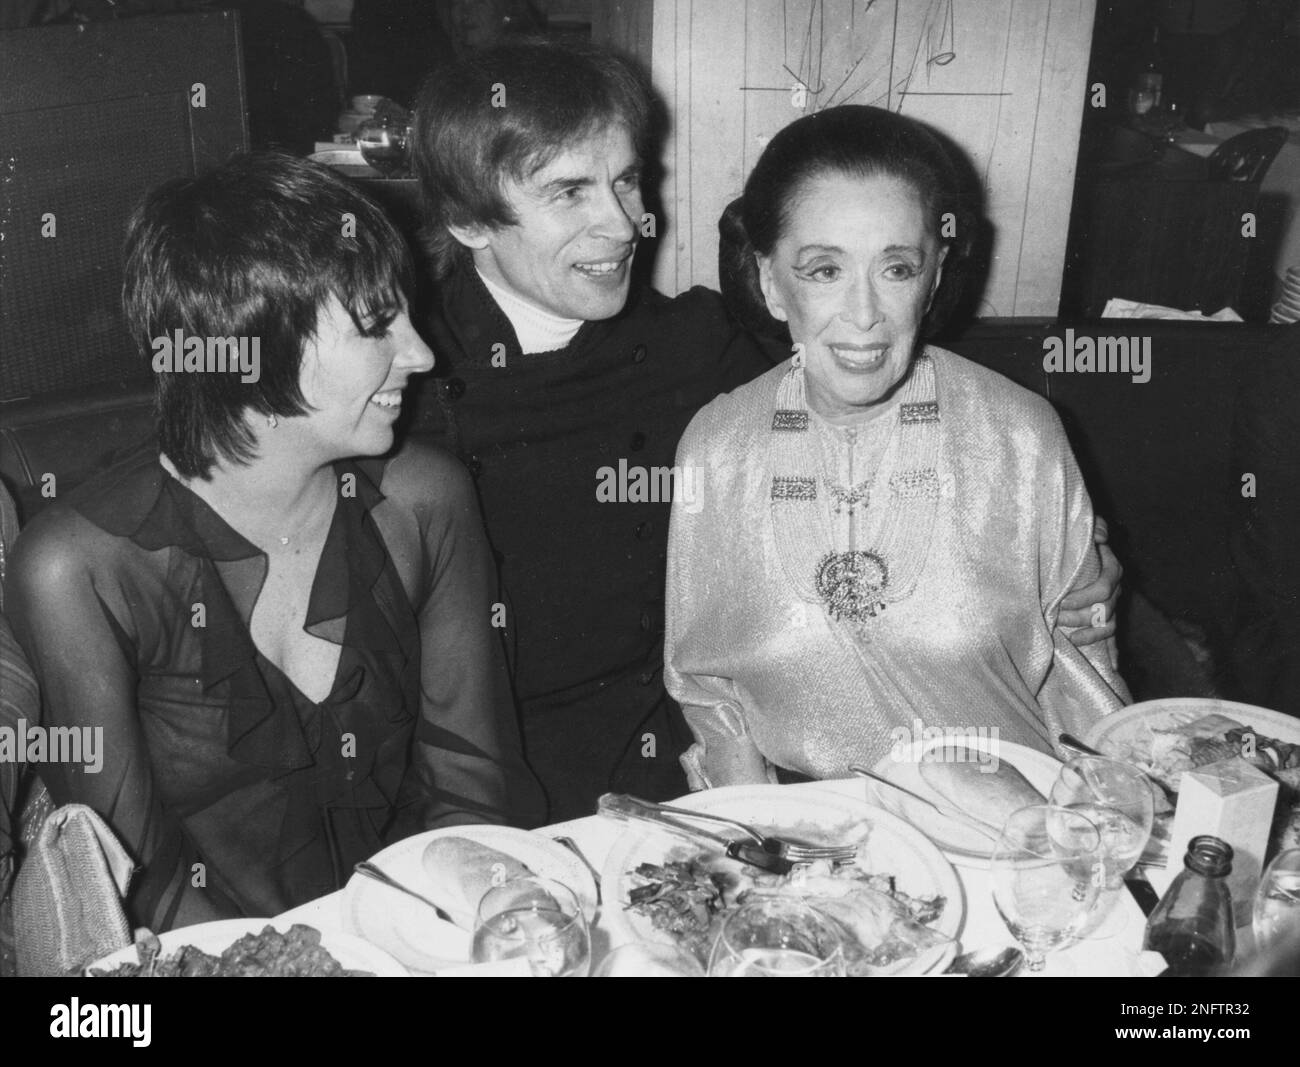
pixel 835 249
pixel 581 181
pixel 555 185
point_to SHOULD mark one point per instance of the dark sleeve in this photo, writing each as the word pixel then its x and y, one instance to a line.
pixel 742 352
pixel 1266 525
pixel 467 764
pixel 70 614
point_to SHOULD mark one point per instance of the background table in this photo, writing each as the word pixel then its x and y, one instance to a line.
pixel 1118 955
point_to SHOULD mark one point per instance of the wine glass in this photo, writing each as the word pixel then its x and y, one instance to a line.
pixel 537 919
pixel 777 938
pixel 385 145
pixel 1277 900
pixel 1047 873
pixel 1116 797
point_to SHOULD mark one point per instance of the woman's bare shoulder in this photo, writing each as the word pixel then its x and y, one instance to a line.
pixel 422 477
pixel 58 546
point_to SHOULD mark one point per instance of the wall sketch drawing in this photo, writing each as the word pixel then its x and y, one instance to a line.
pixel 1001 78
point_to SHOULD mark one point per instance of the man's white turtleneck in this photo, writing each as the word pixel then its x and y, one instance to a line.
pixel 537 330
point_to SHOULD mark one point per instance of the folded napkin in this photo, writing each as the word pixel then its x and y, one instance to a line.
pixel 1132 309
pixel 67 897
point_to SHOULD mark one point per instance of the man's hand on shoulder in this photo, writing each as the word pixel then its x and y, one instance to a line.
pixel 1089 612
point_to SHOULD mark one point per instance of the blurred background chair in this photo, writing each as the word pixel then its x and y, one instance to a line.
pixel 1246 157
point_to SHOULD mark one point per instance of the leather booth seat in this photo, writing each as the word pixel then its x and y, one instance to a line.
pixel 71 437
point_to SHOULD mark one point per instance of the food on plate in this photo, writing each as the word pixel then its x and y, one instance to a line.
pixel 461 872
pixel 296 953
pixel 1168 745
pixel 985 790
pixel 884 927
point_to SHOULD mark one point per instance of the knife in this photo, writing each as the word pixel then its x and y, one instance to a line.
pixel 737 849
pixel 1143 891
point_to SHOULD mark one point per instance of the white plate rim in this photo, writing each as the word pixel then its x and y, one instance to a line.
pixel 1288 727
pixel 617 861
pixel 352 952
pixel 404 861
pixel 1039 768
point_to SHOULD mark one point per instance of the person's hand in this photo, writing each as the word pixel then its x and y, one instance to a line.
pixel 1089 613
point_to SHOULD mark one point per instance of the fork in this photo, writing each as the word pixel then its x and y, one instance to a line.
pixel 623 806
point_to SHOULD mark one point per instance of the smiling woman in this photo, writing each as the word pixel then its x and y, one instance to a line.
pixel 285 640
pixel 853 275
pixel 909 522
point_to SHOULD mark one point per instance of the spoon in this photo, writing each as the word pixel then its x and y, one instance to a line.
pixel 369 870
pixel 987 963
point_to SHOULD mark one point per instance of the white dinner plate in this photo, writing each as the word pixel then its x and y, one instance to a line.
pixel 409 930
pixel 959 842
pixel 1113 733
pixel 215 937
pixel 893 848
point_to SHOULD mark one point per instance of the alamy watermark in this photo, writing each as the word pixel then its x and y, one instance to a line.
pixel 76 1019
pixel 946 744
pixel 179 354
pixel 1090 355
pixel 626 484
pixel 35 745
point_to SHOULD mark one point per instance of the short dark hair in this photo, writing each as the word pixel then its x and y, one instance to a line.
pixel 859 141
pixel 252 248
pixel 556 94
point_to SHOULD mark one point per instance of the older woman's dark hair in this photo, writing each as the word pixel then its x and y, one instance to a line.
pixel 253 248
pixel 502 114
pixel 857 141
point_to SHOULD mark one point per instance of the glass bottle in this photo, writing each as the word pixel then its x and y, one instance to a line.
pixel 1192 925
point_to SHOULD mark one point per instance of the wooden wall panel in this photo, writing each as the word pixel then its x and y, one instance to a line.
pixel 1003 78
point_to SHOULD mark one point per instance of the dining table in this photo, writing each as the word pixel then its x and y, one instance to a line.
pixel 1115 950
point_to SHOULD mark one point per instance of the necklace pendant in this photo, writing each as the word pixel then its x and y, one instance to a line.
pixel 852 585
pixel 849 497
pixel 284 540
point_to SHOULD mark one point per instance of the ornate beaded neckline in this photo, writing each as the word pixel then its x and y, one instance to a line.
pixel 880 560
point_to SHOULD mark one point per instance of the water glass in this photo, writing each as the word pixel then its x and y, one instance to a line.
pixel 1047 873
pixel 778 939
pixel 1117 798
pixel 537 919
pixel 1277 900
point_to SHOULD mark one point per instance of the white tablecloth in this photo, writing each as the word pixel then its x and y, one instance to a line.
pixel 1114 955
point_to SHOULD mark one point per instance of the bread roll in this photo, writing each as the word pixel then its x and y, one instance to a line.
pixel 975 788
pixel 461 871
